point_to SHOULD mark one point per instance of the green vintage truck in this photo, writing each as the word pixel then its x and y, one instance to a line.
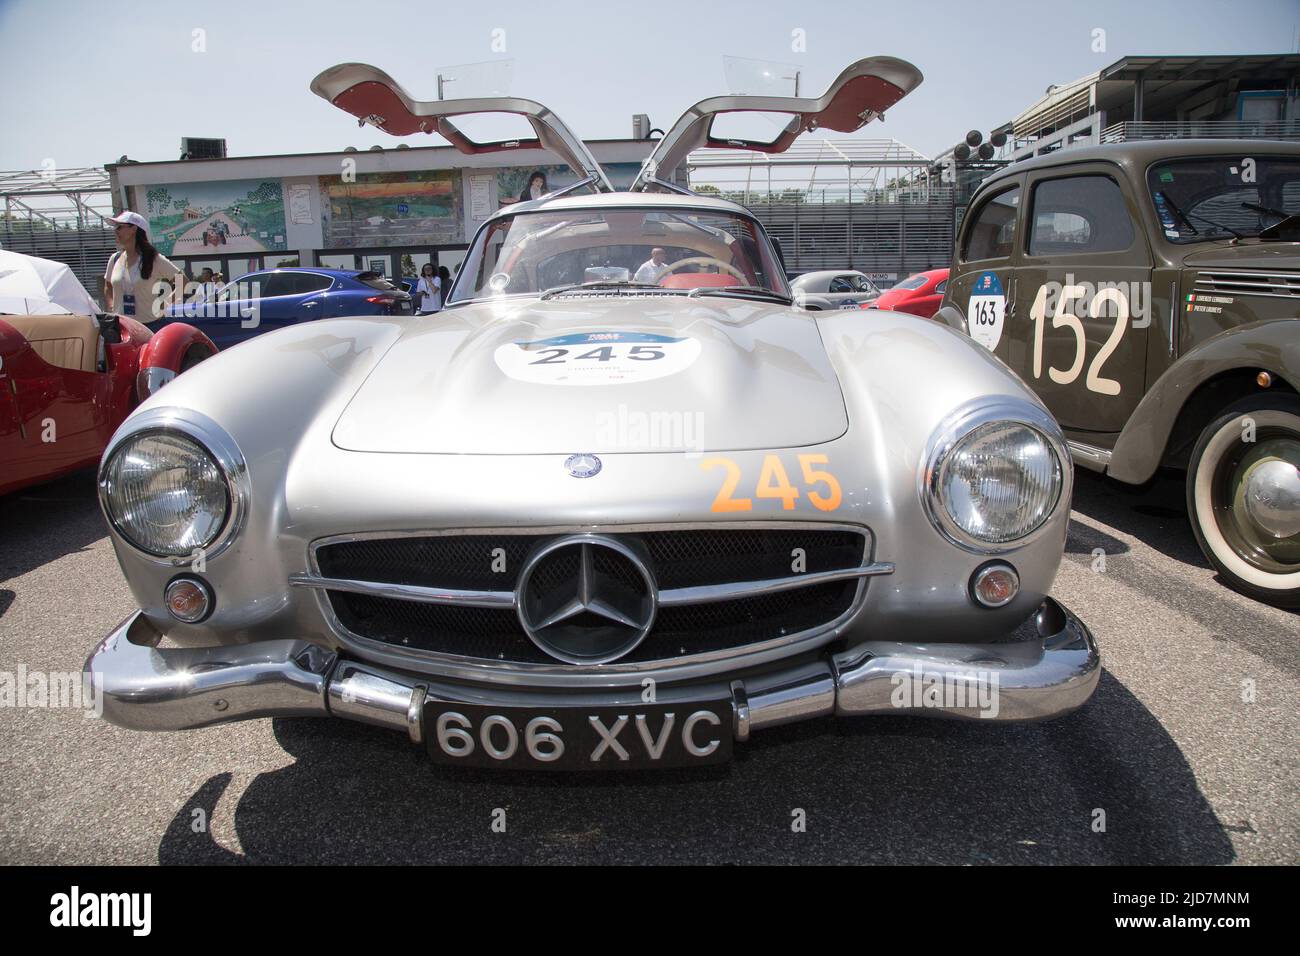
pixel 1149 293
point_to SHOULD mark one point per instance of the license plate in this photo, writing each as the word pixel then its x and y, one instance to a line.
pixel 579 738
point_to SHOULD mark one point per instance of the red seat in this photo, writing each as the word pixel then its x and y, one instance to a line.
pixel 698 280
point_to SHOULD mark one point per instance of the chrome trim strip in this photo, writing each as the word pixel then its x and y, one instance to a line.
pixel 1090 453
pixel 1293 276
pixel 601 675
pixel 1173 318
pixel 700 594
pixel 708 593
pixel 408 592
pixel 1262 295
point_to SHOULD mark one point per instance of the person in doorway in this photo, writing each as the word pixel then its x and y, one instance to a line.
pixel 429 289
pixel 140 282
pixel 536 187
pixel 207 286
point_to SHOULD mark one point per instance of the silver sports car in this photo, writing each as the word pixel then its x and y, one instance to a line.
pixel 618 505
pixel 833 289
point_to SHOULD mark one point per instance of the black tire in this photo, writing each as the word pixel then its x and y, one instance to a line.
pixel 1245 547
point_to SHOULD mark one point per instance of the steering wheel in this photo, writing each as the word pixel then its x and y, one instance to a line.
pixel 702 261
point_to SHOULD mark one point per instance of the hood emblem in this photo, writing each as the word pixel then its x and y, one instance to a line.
pixel 582 465
pixel 586 599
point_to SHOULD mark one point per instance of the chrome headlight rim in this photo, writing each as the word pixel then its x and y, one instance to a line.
pixel 197 428
pixel 956 427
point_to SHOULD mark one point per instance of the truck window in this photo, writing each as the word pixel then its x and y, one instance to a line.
pixel 994 231
pixel 1079 214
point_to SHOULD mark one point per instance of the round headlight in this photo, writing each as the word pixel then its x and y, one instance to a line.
pixel 165 494
pixel 998 483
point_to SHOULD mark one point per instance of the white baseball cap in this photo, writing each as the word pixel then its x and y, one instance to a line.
pixel 133 218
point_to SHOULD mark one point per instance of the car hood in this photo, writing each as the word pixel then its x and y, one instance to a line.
pixel 599 374
pixel 1250 254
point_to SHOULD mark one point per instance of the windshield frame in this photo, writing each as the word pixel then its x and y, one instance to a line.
pixel 766 248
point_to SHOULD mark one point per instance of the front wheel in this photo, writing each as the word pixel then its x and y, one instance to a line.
pixel 1243 497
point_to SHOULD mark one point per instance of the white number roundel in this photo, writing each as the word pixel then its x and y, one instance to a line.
pixel 986 310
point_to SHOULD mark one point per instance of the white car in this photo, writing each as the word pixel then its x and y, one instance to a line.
pixel 833 289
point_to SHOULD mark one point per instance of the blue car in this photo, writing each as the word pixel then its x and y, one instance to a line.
pixel 272 299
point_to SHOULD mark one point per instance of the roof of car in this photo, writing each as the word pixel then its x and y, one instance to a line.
pixel 615 199
pixel 824 273
pixel 318 270
pixel 1141 153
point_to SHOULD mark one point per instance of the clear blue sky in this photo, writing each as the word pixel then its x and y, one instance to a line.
pixel 85 82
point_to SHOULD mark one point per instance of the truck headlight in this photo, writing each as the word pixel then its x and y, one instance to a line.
pixel 991 483
pixel 165 493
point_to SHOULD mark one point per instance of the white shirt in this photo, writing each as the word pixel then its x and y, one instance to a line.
pixel 649 271
pixel 431 289
pixel 141 299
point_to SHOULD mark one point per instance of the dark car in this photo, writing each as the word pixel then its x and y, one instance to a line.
pixel 264 301
pixel 919 294
pixel 1149 293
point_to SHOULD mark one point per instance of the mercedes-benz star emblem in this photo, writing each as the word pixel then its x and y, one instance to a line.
pixel 582 465
pixel 586 599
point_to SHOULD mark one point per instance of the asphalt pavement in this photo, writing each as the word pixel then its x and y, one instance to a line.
pixel 1187 754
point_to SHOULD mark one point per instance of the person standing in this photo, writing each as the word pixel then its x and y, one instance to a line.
pixel 140 282
pixel 429 289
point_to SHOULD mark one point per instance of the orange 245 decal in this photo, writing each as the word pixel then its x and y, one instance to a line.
pixel 774 482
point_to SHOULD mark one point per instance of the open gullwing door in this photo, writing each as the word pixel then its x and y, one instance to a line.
pixel 860 94
pixel 375 98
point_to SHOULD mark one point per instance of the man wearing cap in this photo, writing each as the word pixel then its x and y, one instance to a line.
pixel 139 282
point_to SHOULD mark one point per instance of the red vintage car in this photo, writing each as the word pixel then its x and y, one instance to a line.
pixel 919 294
pixel 68 381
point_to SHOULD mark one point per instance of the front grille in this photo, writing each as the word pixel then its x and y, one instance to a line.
pixel 1284 285
pixel 676 558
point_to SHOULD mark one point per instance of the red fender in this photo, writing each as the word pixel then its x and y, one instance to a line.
pixel 168 353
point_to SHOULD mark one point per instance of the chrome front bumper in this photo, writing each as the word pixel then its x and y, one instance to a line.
pixel 1050 672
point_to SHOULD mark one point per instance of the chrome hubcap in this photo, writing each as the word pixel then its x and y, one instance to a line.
pixel 1272 497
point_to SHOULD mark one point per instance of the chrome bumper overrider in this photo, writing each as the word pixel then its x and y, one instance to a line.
pixel 143 687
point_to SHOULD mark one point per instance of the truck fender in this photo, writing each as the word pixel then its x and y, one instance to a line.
pixel 1272 346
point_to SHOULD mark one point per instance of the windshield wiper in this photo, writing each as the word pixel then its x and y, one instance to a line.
pixel 1266 209
pixel 599 284
pixel 1195 232
pixel 740 290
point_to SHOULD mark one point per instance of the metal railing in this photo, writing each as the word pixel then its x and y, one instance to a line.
pixel 1201 129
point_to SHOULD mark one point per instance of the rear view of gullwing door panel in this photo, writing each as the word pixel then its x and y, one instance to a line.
pixel 860 94
pixel 375 98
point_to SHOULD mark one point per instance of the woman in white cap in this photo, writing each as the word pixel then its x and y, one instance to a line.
pixel 139 282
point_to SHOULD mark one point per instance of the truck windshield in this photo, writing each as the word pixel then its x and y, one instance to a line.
pixel 1222 196
pixel 611 248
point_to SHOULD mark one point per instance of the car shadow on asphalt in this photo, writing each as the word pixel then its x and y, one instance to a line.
pixel 1105 785
pixel 41 524
pixel 1154 513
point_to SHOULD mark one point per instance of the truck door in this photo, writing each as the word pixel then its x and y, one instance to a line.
pixel 1083 281
pixel 982 283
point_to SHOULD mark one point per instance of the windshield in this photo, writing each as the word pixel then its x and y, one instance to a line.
pixel 1215 197
pixel 670 249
